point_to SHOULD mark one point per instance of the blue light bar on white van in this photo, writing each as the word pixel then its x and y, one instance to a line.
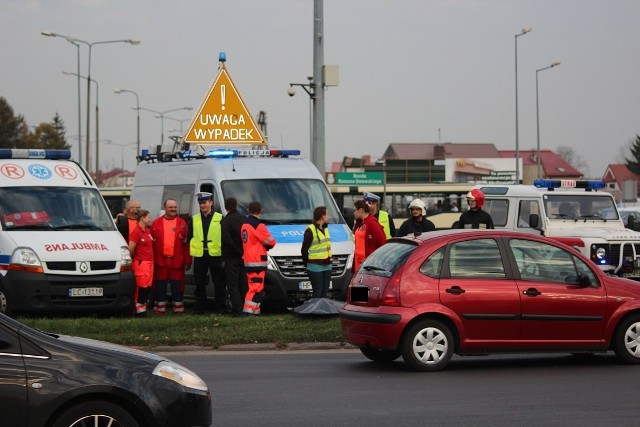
pixel 569 183
pixel 223 153
pixel 30 153
pixel 230 153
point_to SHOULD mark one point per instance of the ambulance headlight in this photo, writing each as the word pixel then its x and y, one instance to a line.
pixel 25 259
pixel 125 256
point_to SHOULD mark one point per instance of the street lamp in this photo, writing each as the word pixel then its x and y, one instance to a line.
pixel 97 171
pixel 524 31
pixel 138 115
pixel 90 45
pixel 160 115
pixel 50 34
pixel 310 89
pixel 179 121
pixel 122 146
pixel 553 64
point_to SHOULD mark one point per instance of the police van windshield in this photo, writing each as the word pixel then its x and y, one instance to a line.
pixel 284 201
pixel 53 208
pixel 580 207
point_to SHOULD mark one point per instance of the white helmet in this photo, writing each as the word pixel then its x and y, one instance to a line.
pixel 417 203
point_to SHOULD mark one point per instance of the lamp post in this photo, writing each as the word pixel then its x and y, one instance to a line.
pixel 179 121
pixel 310 89
pixel 90 45
pixel 122 146
pixel 97 170
pixel 160 115
pixel 553 64
pixel 50 34
pixel 524 31
pixel 138 115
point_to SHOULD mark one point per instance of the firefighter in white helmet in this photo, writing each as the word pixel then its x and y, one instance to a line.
pixel 418 222
pixel 475 217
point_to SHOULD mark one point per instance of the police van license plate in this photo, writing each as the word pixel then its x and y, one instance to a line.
pixel 86 292
pixel 306 285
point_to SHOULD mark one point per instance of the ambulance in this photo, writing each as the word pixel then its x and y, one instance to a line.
pixel 60 251
pixel 575 212
pixel 289 188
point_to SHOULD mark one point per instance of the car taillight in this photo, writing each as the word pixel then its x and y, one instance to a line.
pixel 391 293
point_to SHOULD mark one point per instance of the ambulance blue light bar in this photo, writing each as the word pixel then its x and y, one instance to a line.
pixel 569 183
pixel 29 153
pixel 225 154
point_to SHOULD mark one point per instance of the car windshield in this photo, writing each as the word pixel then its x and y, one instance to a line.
pixel 284 201
pixel 580 207
pixel 53 208
pixel 388 258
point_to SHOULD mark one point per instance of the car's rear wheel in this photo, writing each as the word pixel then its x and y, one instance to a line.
pixel 96 414
pixel 4 303
pixel 626 342
pixel 380 355
pixel 427 346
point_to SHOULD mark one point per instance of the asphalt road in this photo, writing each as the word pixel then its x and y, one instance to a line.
pixel 342 388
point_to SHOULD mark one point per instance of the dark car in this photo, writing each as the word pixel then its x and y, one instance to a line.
pixel 58 381
pixel 486 291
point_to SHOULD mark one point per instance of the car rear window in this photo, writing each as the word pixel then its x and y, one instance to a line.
pixel 387 259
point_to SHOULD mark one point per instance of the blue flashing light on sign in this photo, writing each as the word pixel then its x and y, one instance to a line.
pixel 222 57
pixel 569 183
pixel 21 153
pixel 223 153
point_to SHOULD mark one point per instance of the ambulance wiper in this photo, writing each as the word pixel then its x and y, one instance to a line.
pixel 78 227
pixel 45 226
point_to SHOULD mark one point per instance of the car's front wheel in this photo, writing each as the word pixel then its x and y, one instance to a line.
pixel 427 346
pixel 380 355
pixel 626 342
pixel 96 414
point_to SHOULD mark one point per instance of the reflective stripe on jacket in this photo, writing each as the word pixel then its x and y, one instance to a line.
pixel 214 236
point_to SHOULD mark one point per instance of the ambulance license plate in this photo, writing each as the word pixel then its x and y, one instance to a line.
pixel 86 292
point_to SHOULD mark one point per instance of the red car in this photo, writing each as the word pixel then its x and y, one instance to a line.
pixel 467 292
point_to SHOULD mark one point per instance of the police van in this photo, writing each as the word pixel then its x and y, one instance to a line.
pixel 59 248
pixel 573 212
pixel 288 186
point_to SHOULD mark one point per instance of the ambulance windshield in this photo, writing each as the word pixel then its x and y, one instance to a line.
pixel 53 208
pixel 284 201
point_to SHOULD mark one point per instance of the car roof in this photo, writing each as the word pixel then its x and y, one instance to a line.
pixel 453 234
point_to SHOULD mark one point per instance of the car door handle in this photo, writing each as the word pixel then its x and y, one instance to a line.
pixel 456 290
pixel 532 292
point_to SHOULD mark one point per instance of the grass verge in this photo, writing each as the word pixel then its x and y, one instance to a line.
pixel 202 330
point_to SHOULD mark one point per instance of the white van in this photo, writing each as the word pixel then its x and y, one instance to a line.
pixel 59 248
pixel 288 187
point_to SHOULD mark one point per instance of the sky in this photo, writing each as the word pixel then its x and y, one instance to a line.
pixel 418 71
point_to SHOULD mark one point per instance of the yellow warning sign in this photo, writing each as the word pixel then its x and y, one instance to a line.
pixel 223 117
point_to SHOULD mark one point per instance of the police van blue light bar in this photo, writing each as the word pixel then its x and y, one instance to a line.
pixel 569 183
pixel 224 154
pixel 26 153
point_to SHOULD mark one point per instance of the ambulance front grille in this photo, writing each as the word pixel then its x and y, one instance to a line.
pixel 72 265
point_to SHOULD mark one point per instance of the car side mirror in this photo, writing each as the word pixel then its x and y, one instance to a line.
pixel 582 279
pixel 534 221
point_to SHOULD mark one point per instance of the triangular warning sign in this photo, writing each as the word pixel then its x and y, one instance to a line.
pixel 223 117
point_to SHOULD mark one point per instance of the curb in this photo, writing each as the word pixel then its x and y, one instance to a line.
pixel 304 346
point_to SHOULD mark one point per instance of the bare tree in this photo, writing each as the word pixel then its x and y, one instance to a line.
pixel 570 156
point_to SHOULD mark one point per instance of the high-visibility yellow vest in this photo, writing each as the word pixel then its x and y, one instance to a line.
pixel 321 246
pixel 214 236
pixel 383 219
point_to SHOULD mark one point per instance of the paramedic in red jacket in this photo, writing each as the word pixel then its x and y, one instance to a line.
pixel 171 256
pixel 369 234
pixel 256 241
